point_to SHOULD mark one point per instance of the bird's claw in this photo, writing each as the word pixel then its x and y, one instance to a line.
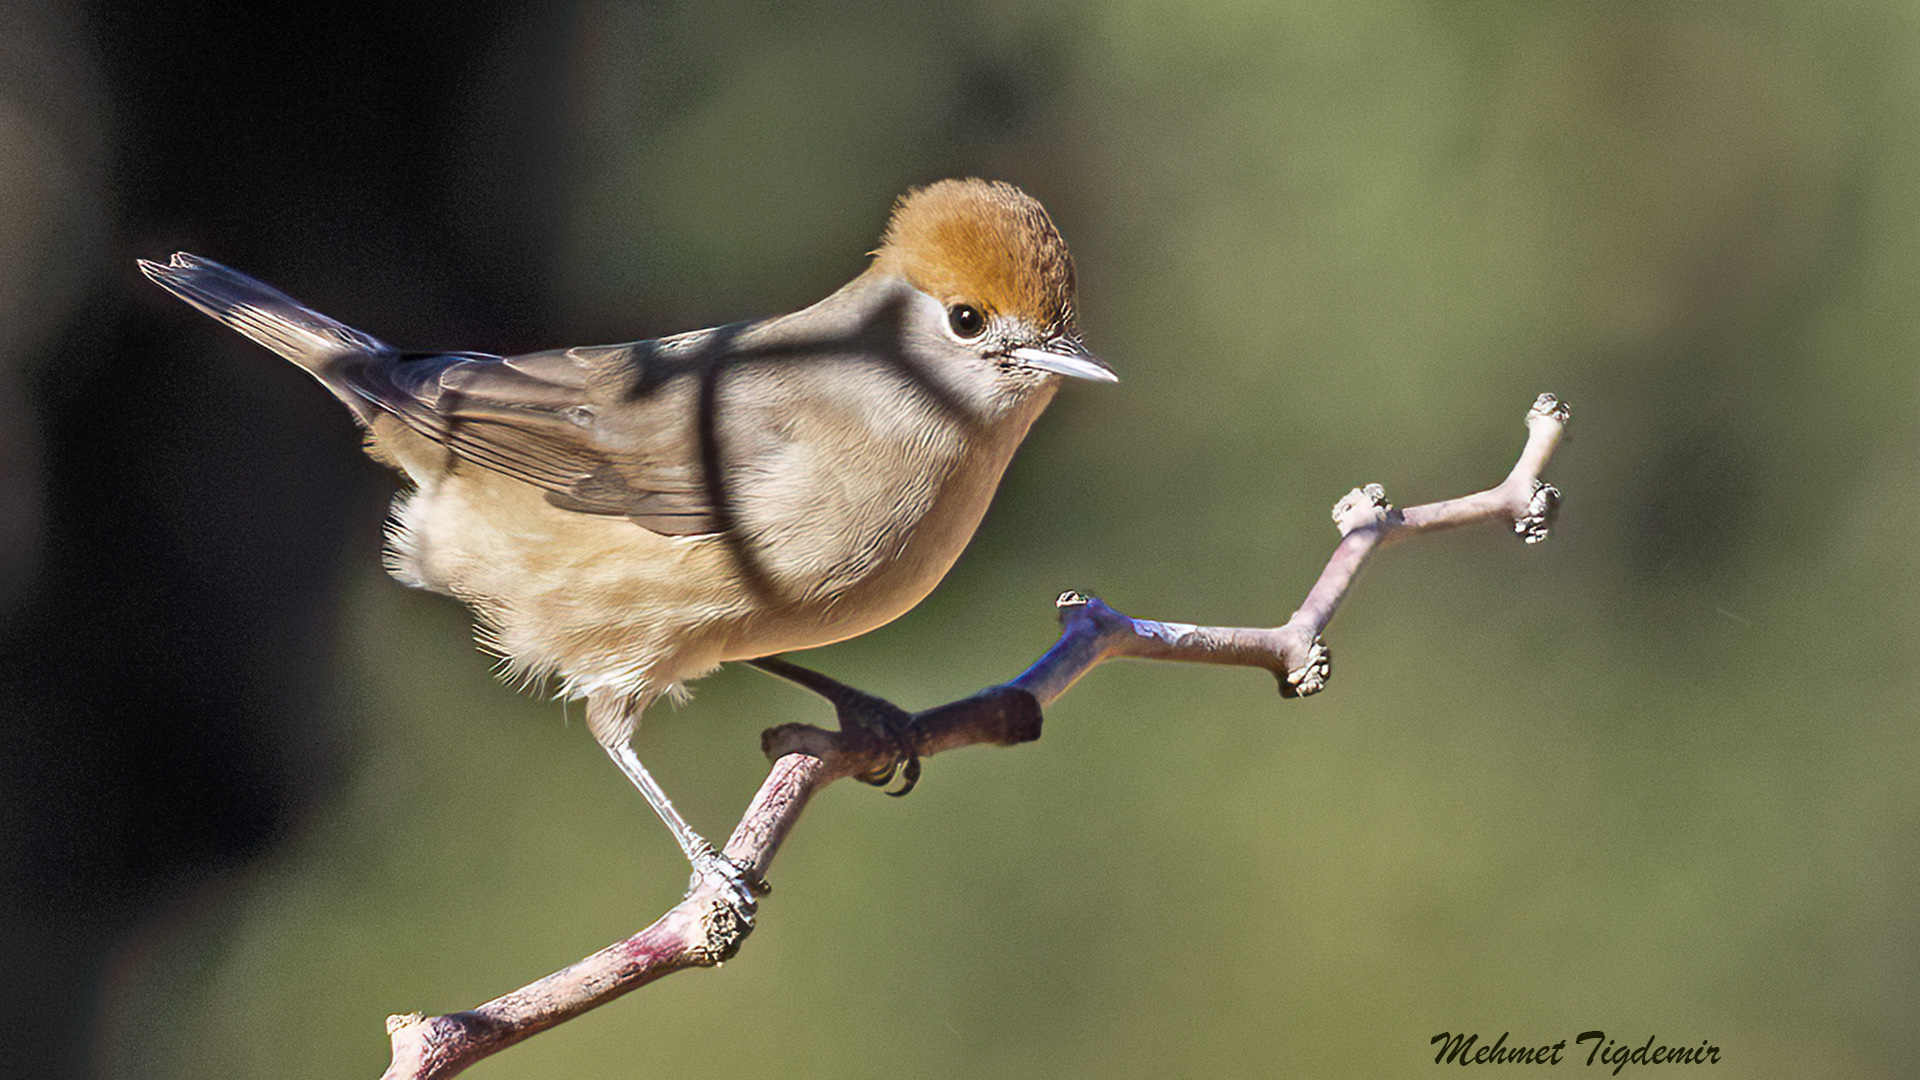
pixel 862 713
pixel 894 725
pixel 737 886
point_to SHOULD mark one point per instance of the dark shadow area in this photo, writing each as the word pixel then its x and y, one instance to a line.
pixel 166 663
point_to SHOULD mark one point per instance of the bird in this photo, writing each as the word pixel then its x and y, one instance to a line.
pixel 623 519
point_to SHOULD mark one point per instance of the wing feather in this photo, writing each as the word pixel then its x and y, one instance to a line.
pixel 537 418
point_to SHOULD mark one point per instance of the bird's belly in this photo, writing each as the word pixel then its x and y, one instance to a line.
pixel 596 601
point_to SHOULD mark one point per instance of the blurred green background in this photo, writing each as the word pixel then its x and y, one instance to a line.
pixel 1656 777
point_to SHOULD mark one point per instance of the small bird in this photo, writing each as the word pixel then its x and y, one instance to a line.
pixel 625 518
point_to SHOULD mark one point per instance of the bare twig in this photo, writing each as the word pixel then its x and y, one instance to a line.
pixel 1294 652
pixel 706 928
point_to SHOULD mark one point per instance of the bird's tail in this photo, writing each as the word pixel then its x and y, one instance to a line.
pixel 260 311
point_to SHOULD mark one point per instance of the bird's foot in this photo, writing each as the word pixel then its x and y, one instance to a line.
pixel 891 724
pixel 862 714
pixel 737 886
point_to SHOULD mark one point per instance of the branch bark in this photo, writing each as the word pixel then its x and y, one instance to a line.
pixel 707 928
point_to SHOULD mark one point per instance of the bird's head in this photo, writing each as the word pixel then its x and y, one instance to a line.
pixel 997 277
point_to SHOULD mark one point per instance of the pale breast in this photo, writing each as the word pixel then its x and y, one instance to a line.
pixel 860 501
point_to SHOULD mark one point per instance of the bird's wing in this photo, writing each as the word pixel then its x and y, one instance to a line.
pixel 542 418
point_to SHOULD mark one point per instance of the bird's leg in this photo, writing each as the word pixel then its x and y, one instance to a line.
pixel 861 711
pixel 710 867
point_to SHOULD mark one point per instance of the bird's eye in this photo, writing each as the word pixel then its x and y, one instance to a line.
pixel 966 320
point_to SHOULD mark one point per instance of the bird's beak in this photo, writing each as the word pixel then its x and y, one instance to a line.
pixel 1069 358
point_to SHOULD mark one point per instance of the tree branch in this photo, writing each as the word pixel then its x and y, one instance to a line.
pixel 707 928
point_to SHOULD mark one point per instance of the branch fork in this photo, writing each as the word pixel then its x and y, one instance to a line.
pixel 876 740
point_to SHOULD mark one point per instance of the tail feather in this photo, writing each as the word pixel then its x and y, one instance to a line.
pixel 260 311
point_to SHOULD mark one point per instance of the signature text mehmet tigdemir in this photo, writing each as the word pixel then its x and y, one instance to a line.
pixel 1460 1049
